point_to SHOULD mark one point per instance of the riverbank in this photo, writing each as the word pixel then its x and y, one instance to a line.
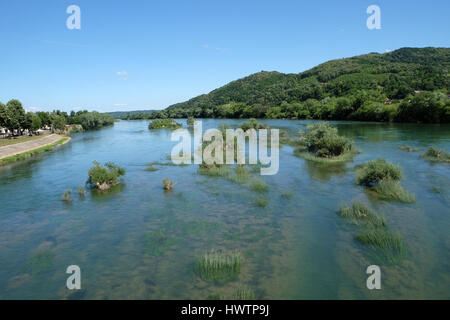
pixel 12 153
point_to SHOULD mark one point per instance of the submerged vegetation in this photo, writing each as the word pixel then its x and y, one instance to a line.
pixel 408 148
pixel 243 293
pixel 157 243
pixel 382 178
pixel 170 124
pixel 218 267
pixel 39 262
pixel 322 143
pixel 261 202
pixel 436 155
pixel 259 186
pixel 104 177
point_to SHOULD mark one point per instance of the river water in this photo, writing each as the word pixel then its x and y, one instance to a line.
pixel 296 247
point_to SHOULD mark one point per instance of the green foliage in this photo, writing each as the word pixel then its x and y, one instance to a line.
pixel 358 212
pixel 323 144
pixel 81 191
pixel 58 123
pixel 436 155
pixel 164 124
pixel 354 88
pixel 150 167
pixel 376 171
pixel 391 244
pixel 190 121
pixel 408 148
pixel 103 177
pixel 218 266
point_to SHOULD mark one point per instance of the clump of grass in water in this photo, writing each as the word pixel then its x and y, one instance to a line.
pixel 261 202
pixel 167 184
pixel 218 267
pixel 436 155
pixel 392 190
pixel 150 167
pixel 259 186
pixel 156 243
pixel 390 243
pixel 81 191
pixel 243 293
pixel 287 195
pixel 241 175
pixel 66 196
pixel 213 170
pixel 382 178
pixel 408 148
pixel 360 212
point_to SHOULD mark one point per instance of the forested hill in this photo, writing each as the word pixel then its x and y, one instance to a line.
pixel 378 87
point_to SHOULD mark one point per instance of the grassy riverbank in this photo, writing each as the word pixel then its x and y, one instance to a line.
pixel 29 153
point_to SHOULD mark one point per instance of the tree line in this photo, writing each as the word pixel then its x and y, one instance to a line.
pixel 14 118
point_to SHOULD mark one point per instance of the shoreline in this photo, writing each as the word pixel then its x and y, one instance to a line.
pixel 26 153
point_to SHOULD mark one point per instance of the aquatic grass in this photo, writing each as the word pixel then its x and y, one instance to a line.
pixel 243 293
pixel 287 195
pixel 386 245
pixel 261 202
pixel 39 262
pixel 213 170
pixel 167 184
pixel 345 157
pixel 66 196
pixel 376 171
pixel 241 175
pixel 150 167
pixel 393 190
pixel 81 191
pixel 359 212
pixel 218 267
pixel 435 155
pixel 157 243
pixel 408 148
pixel 258 185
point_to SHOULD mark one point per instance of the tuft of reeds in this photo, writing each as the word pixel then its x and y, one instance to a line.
pixel 241 175
pixel 391 244
pixel 408 148
pixel 81 191
pixel 167 184
pixel 213 170
pixel 287 195
pixel 259 186
pixel 261 202
pixel 392 190
pixel 243 293
pixel 66 195
pixel 436 155
pixel 218 267
pixel 359 212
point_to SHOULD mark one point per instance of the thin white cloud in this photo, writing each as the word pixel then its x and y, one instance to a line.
pixel 123 75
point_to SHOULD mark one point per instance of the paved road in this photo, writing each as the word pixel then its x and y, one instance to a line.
pixel 13 149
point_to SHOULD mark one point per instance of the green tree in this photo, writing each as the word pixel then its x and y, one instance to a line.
pixel 58 123
pixel 36 122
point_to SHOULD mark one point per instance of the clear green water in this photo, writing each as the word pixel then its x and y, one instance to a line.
pixel 297 248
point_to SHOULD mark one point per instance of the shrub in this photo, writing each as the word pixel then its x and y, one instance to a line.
pixel 376 171
pixel 103 177
pixel 167 184
pixel 220 267
pixel 261 202
pixel 164 124
pixel 150 167
pixel 322 140
pixel 434 154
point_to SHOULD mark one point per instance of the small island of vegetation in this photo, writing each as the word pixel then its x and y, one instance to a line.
pixel 170 124
pixel 104 177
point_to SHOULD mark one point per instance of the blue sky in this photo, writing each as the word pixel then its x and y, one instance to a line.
pixel 131 55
